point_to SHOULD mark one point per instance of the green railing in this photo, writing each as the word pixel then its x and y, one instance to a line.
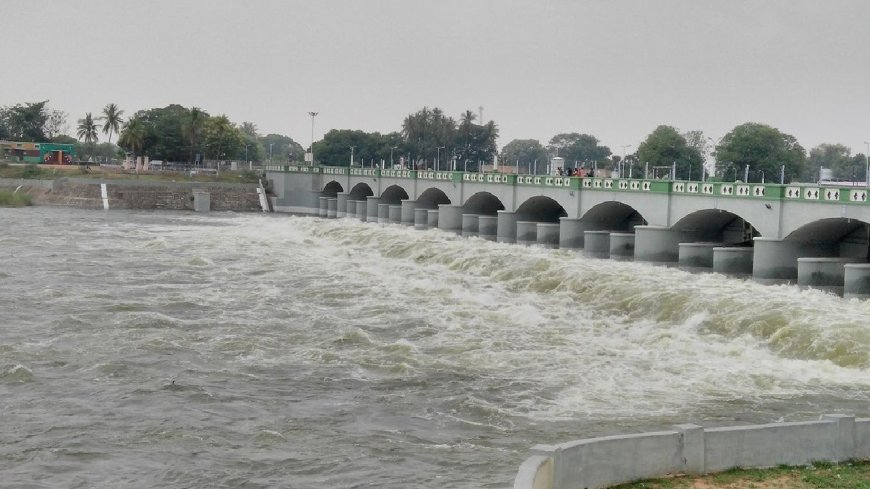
pixel 760 191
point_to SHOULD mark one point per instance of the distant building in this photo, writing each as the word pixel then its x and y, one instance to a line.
pixel 48 153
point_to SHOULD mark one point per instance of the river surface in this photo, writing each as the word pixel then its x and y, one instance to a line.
pixel 181 350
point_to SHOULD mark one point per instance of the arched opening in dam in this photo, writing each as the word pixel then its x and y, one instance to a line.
pixel 540 209
pixel 431 198
pixel 360 191
pixel 835 237
pixel 393 195
pixel 483 203
pixel 717 226
pixel 613 216
pixel 332 189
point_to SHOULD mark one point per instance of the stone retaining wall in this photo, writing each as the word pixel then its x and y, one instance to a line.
pixel 132 194
pixel 602 462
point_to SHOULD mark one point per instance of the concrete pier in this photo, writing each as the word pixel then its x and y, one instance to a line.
pixel 421 219
pixel 383 213
pixel 324 206
pixel 408 208
pixel 432 219
pixel 597 244
pixel 824 273
pixel 201 200
pixel 362 209
pixel 395 214
pixel 487 227
pixel 350 208
pixel 331 208
pixel 450 218
pixel 622 246
pixel 571 233
pixel 658 244
pixel 527 233
pixel 372 204
pixel 470 225
pixel 856 281
pixel 341 207
pixel 507 227
pixel 697 256
pixel 733 260
pixel 774 261
pixel 548 234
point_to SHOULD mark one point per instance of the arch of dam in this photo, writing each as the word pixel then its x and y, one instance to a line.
pixel 816 236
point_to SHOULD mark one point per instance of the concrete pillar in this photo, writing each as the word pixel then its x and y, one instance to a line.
pixel 201 200
pixel 372 208
pixel 383 213
pixel 506 230
pixel 527 233
pixel 450 218
pixel 857 281
pixel 487 227
pixel 469 225
pixel 571 233
pixel 733 260
pixel 421 219
pixel 693 448
pixel 824 273
pixel 408 209
pixel 362 209
pixel 622 246
pixel 395 213
pixel 697 256
pixel 597 244
pixel 331 208
pixel 774 261
pixel 341 206
pixel 658 244
pixel 350 209
pixel 324 206
pixel 548 234
pixel 844 435
pixel 432 219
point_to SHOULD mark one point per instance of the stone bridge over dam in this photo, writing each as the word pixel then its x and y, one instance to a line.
pixel 814 235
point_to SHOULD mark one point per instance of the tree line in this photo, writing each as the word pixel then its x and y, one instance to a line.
pixel 429 138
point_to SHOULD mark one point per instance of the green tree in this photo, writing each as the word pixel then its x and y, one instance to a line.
pixel 113 119
pixel 765 149
pixel 26 122
pixel 284 149
pixel 665 146
pixel 55 124
pixel 836 157
pixel 428 134
pixel 521 152
pixel 578 148
pixel 132 137
pixel 335 148
pixel 221 138
pixel 87 129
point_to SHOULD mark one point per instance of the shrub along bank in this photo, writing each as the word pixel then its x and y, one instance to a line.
pixel 9 198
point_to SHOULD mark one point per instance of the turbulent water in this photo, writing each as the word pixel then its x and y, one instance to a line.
pixel 179 350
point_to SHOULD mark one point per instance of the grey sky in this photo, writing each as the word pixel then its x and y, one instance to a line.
pixel 615 69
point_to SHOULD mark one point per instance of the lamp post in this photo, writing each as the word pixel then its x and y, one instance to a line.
pixel 351 155
pixel 313 115
pixel 622 161
pixel 391 155
pixel 867 163
pixel 270 152
pixel 438 157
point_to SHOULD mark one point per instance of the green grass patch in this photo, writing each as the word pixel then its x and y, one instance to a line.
pixel 847 475
pixel 9 198
pixel 40 172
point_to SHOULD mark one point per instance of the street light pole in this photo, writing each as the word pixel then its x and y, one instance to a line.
pixel 867 163
pixel 391 155
pixel 270 152
pixel 622 161
pixel 438 157
pixel 351 155
pixel 313 115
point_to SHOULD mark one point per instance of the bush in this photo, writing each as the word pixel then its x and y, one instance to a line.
pixel 14 199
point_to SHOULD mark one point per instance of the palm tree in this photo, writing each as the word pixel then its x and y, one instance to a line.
pixel 87 130
pixel 112 116
pixel 193 127
pixel 133 135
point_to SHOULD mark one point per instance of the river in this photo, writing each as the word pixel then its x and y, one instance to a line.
pixel 181 350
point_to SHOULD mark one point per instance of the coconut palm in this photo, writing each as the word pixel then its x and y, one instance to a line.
pixel 193 127
pixel 132 137
pixel 112 116
pixel 87 130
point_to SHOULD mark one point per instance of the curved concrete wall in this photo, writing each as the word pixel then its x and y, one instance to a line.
pixel 601 462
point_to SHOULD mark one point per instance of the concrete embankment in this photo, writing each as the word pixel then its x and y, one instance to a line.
pixel 136 194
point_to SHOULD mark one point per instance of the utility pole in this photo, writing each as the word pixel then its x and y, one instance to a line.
pixel 313 115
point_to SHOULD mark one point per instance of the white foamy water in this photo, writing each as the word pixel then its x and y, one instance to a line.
pixel 179 350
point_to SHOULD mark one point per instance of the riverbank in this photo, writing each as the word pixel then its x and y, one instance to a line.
pixel 13 199
pixel 853 475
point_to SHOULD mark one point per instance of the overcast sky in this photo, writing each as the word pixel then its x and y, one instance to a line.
pixel 615 69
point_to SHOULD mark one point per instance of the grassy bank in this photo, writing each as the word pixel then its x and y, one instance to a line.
pixel 10 199
pixel 36 172
pixel 854 475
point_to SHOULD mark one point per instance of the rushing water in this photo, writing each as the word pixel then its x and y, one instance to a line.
pixel 178 350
